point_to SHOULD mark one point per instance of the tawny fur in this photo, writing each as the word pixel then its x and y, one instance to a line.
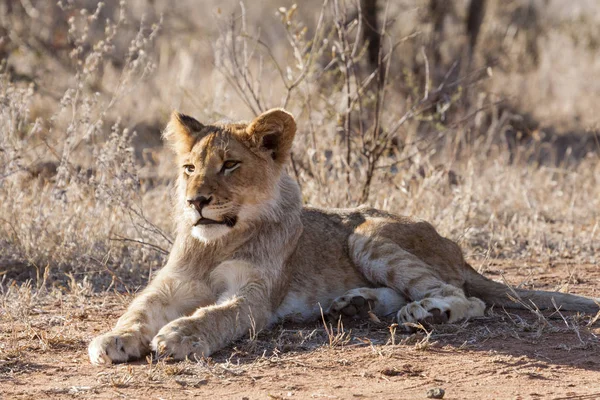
pixel 263 257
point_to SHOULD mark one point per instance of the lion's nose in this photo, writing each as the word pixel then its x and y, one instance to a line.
pixel 199 202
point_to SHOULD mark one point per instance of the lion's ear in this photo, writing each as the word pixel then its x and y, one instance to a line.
pixel 273 131
pixel 182 132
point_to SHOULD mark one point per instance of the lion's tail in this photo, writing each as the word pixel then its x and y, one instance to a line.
pixel 496 293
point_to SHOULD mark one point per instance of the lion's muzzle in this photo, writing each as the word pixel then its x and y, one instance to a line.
pixel 199 202
pixel 229 221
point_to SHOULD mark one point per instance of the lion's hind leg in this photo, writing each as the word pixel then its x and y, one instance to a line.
pixel 434 300
pixel 357 303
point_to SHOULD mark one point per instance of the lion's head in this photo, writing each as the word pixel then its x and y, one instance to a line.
pixel 229 173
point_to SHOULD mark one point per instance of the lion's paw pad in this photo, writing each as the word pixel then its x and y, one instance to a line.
pixel 114 347
pixel 350 306
pixel 424 312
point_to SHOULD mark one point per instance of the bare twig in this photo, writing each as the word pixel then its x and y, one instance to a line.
pixel 141 242
pixel 345 58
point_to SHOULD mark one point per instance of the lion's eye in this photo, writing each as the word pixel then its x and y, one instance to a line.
pixel 229 166
pixel 189 168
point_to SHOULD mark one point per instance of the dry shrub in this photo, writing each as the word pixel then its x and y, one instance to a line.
pixel 68 217
pixel 81 193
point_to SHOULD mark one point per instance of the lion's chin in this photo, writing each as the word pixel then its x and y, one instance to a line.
pixel 211 232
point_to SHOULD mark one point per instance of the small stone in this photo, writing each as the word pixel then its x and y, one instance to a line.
pixel 349 310
pixel 436 393
pixel 391 372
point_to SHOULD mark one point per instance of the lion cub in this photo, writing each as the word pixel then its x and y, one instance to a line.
pixel 247 254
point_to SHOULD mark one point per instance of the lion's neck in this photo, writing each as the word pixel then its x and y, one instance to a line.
pixel 287 200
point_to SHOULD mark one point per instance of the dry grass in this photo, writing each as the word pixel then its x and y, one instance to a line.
pixel 501 157
pixel 87 177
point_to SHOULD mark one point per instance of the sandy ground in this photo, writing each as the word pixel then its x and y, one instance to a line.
pixel 505 355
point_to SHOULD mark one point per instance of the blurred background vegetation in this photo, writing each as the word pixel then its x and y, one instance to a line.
pixel 476 115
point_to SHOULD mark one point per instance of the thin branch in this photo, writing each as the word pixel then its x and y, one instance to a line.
pixel 341 30
pixel 426 94
pixel 141 242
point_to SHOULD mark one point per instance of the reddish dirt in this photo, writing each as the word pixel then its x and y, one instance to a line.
pixel 505 355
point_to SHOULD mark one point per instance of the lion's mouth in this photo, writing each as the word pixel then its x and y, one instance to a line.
pixel 228 221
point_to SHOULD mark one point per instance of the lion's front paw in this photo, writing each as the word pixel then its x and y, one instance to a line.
pixel 180 339
pixel 114 347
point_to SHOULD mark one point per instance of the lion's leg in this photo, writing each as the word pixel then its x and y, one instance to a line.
pixel 165 299
pixel 243 307
pixel 358 302
pixel 385 263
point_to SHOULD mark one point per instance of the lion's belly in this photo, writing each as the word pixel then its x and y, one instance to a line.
pixel 304 303
pixel 319 270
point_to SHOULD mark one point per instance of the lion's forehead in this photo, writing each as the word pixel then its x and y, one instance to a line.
pixel 217 147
